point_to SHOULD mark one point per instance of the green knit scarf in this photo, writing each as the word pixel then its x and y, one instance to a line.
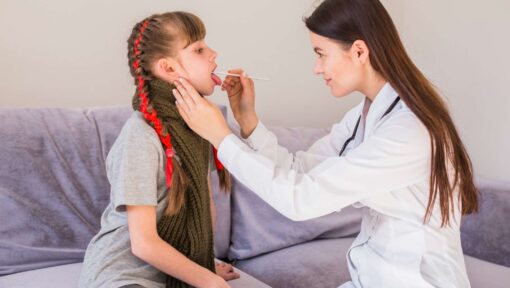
pixel 190 230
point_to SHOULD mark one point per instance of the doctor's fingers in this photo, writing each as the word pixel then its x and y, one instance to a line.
pixel 187 90
pixel 185 102
pixel 246 81
pixel 183 113
pixel 230 81
pixel 232 87
pixel 237 71
pixel 236 89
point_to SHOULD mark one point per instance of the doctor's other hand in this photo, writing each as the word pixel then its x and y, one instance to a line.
pixel 241 95
pixel 202 116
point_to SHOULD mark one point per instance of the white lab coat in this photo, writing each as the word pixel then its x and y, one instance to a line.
pixel 384 171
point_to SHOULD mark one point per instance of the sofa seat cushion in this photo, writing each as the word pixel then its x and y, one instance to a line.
pixel 484 274
pixel 322 264
pixel 66 276
pixel 54 277
pixel 318 264
pixel 486 235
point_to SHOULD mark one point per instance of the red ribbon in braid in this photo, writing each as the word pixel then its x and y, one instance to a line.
pixel 152 116
pixel 219 166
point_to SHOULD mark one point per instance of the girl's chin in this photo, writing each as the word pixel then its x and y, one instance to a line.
pixel 207 92
pixel 206 89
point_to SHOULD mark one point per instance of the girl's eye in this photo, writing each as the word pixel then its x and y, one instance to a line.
pixel 200 50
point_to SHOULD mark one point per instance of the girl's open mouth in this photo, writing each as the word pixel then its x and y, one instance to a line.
pixel 216 79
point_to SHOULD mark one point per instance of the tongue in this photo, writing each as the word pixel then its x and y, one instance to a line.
pixel 216 79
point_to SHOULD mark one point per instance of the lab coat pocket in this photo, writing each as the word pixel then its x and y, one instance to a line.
pixel 405 250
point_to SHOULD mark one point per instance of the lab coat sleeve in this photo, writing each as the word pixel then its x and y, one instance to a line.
pixel 396 155
pixel 266 144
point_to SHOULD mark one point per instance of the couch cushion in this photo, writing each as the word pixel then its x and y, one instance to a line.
pixel 53 185
pixel 257 228
pixel 484 274
pixel 52 277
pixel 318 264
pixel 322 264
pixel 486 235
pixel 66 276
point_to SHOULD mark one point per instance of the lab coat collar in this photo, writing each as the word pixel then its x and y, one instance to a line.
pixel 381 103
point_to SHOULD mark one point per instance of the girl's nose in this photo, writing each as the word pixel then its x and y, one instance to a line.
pixel 214 54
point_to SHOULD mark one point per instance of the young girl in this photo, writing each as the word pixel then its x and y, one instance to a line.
pixel 157 230
pixel 397 154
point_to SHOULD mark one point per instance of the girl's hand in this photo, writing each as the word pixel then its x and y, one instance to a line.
pixel 241 95
pixel 217 282
pixel 226 271
pixel 202 116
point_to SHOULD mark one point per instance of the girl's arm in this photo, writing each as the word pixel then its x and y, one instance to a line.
pixel 224 270
pixel 148 246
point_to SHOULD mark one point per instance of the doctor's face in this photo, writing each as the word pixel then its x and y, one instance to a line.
pixel 336 64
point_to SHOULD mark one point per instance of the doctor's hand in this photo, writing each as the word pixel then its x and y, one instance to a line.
pixel 241 95
pixel 202 116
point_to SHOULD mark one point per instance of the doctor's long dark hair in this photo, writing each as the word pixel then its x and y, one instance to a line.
pixel 349 20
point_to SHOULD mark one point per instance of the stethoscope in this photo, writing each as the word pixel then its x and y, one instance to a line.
pixel 359 120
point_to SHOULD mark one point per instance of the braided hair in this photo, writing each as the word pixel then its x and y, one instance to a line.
pixel 151 39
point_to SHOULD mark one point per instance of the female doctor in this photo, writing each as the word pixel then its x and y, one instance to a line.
pixel 397 154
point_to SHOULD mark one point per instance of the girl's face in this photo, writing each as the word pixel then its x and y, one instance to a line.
pixel 197 63
pixel 338 65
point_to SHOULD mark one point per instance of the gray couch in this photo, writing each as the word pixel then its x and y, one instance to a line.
pixel 53 189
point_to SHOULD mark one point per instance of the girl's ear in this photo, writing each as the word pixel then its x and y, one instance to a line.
pixel 166 69
pixel 359 51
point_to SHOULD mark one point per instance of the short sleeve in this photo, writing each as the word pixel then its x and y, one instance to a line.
pixel 133 166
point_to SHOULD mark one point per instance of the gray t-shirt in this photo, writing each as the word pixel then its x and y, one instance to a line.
pixel 135 167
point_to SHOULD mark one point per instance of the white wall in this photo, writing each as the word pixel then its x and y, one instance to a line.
pixel 73 54
pixel 463 47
